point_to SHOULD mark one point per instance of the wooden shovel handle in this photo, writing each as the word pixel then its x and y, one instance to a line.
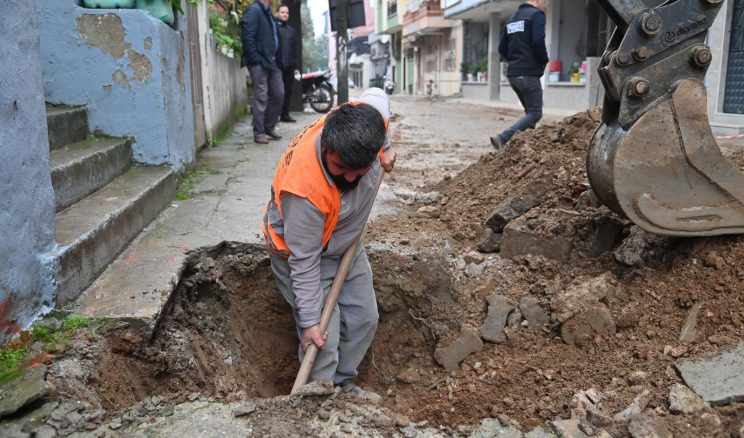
pixel 330 303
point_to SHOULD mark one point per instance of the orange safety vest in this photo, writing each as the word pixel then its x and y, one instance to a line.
pixel 300 172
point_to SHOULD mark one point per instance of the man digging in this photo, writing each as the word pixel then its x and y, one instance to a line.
pixel 321 196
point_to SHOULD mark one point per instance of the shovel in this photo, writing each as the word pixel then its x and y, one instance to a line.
pixel 330 304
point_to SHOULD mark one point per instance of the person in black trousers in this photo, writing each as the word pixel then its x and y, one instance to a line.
pixel 523 46
pixel 289 58
pixel 261 46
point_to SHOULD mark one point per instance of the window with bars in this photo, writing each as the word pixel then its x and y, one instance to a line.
pixel 733 98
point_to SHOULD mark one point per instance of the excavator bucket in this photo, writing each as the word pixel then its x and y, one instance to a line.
pixel 654 158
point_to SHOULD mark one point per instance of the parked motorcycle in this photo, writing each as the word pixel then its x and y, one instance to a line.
pixel 389 86
pixel 318 91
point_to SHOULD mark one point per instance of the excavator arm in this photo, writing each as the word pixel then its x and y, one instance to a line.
pixel 654 158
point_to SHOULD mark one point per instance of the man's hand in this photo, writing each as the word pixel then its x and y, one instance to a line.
pixel 311 335
pixel 388 159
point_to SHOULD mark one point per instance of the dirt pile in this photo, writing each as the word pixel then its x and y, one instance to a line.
pixel 623 347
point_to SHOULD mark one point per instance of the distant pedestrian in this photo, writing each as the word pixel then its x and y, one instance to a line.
pixel 261 45
pixel 523 46
pixel 289 57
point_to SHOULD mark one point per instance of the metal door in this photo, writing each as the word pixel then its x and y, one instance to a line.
pixel 200 129
pixel 733 97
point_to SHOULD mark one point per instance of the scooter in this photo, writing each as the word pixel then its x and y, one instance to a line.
pixel 318 91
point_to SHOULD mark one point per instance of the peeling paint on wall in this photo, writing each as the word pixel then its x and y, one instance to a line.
pixel 140 65
pixel 121 78
pixel 103 31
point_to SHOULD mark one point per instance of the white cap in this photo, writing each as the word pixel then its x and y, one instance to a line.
pixel 378 99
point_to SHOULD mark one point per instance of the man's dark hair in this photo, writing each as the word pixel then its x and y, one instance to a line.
pixel 354 132
pixel 283 5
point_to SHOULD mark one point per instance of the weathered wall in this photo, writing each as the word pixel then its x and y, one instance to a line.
pixel 224 85
pixel 26 196
pixel 131 71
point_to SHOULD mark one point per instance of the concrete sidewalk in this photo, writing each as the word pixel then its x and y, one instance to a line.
pixel 226 194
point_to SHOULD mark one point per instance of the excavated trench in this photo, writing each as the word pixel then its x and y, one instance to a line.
pixel 228 333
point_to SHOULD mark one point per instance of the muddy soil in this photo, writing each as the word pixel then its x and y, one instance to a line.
pixel 227 335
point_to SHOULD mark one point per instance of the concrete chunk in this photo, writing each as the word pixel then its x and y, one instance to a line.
pixel 450 356
pixel 499 309
pixel 718 379
pixel 533 313
pixel 520 240
pixel 636 407
pixel 683 400
pixel 516 206
pixel 642 426
pixel 587 294
pixel 18 393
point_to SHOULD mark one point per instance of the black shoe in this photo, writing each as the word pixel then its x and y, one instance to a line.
pixel 287 119
pixel 273 135
pixel 497 143
pixel 260 139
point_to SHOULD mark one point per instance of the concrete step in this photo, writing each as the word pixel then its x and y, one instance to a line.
pixel 81 168
pixel 66 124
pixel 94 231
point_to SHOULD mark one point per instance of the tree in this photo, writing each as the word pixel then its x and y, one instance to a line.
pixel 314 50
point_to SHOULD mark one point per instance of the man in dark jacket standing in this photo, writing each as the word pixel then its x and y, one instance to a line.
pixel 290 59
pixel 261 44
pixel 523 46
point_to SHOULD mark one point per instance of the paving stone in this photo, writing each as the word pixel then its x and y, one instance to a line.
pixel 499 309
pixel 535 315
pixel 520 240
pixel 718 379
pixel 27 388
pixel 642 426
pixel 683 400
pixel 450 356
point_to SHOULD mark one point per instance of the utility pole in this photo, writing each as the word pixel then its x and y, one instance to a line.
pixel 342 51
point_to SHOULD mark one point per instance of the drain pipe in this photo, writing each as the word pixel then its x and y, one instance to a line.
pixel 330 302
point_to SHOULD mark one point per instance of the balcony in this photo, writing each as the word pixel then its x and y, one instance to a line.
pixel 424 17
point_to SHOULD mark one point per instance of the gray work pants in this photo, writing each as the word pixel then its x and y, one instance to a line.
pixel 354 320
pixel 529 91
pixel 268 96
